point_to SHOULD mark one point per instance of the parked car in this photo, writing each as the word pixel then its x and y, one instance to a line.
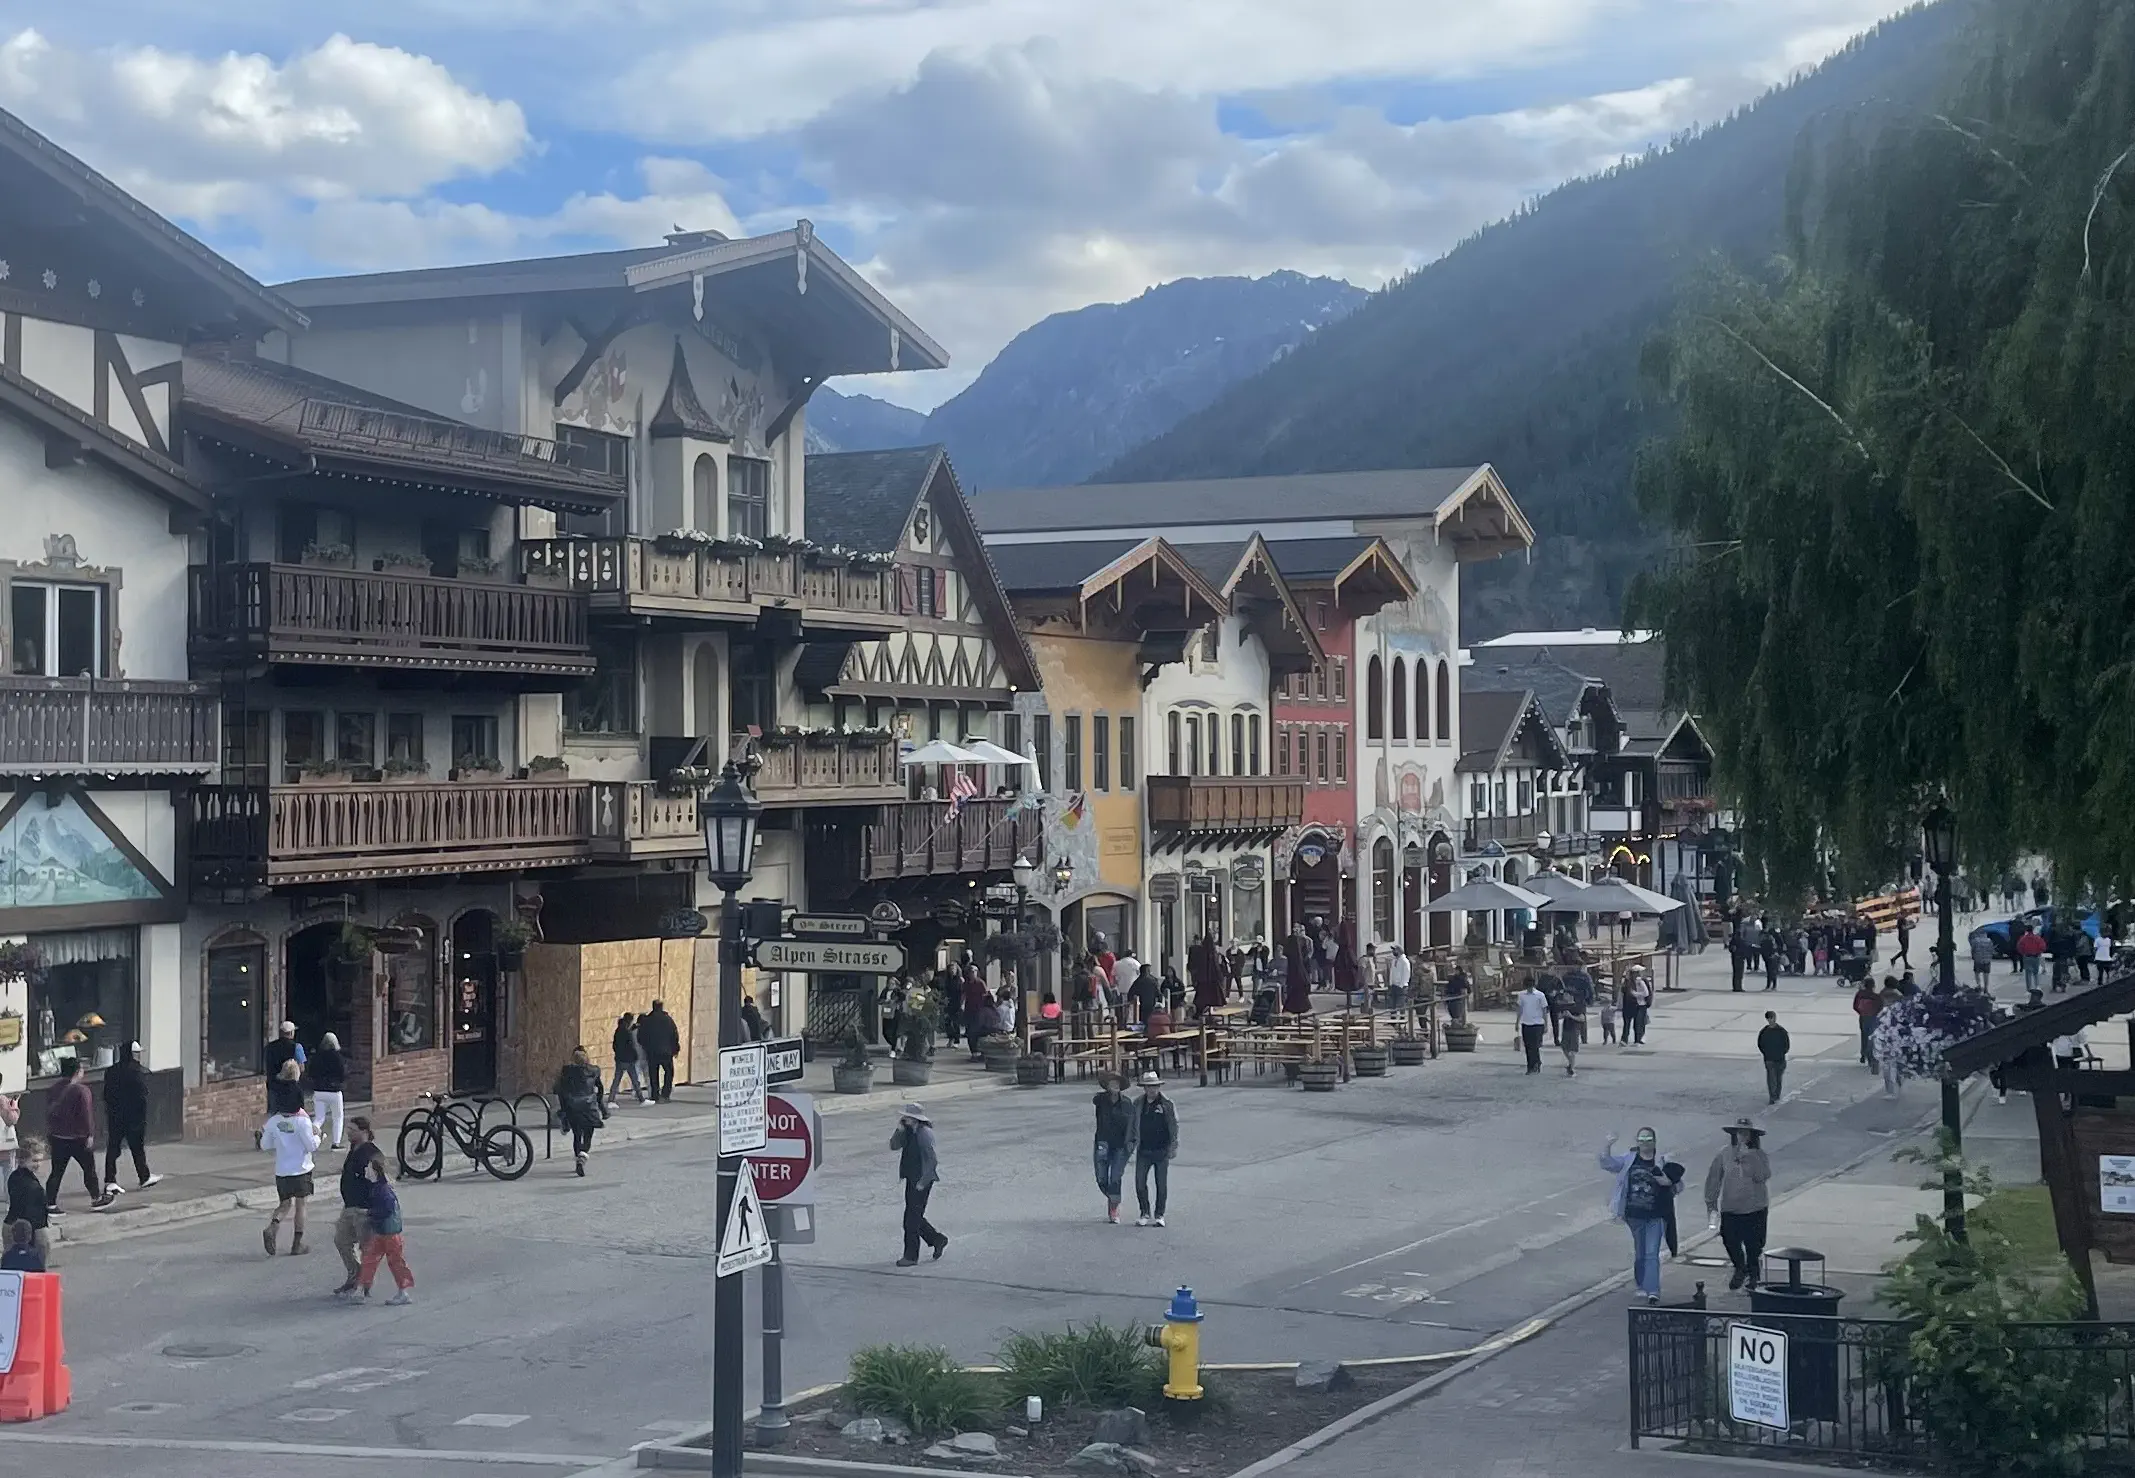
pixel 2040 919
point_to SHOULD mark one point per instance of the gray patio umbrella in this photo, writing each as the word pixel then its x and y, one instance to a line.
pixel 1565 894
pixel 1486 895
pixel 1614 895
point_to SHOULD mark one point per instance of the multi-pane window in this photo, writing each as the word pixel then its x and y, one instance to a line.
pixel 1254 755
pixel 1041 743
pixel 1282 749
pixel 1341 754
pixel 1012 741
pixel 1319 682
pixel 1401 699
pixel 236 1014
pixel 748 497
pixel 607 702
pixel 1238 745
pixel 1215 745
pixel 1071 750
pixel 303 741
pixel 1171 744
pixel 1101 752
pixel 1211 642
pixel 356 739
pixel 1193 745
pixel 474 737
pixel 56 630
pixel 1129 764
pixel 1320 745
pixel 1341 679
pixel 404 738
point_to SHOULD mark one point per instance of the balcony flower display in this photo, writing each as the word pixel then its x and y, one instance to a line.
pixel 1917 1031
pixel 477 767
pixel 836 554
pixel 737 544
pixel 405 559
pixel 821 737
pixel 683 541
pixel 338 556
pixel 869 738
pixel 548 767
pixel 784 736
pixel 406 771
pixel 788 544
pixel 874 561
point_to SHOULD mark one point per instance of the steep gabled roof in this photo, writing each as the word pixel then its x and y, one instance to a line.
pixel 1089 570
pixel 62 423
pixel 1559 689
pixel 1231 567
pixel 1491 723
pixel 1295 497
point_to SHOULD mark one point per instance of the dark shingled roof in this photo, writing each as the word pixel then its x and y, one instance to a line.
pixel 1213 562
pixel 1035 567
pixel 1486 721
pixel 1407 493
pixel 1317 559
pixel 1633 670
pixel 681 413
pixel 863 500
pixel 1556 687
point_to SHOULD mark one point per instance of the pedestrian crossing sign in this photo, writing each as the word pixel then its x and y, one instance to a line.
pixel 746 1241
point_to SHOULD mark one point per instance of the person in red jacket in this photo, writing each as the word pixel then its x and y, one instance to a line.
pixel 2030 949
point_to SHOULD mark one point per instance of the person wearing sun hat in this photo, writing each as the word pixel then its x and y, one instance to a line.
pixel 1152 1143
pixel 1738 1188
pixel 919 1168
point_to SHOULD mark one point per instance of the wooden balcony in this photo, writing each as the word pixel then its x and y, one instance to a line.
pixel 308 616
pixel 1227 809
pixel 329 833
pixel 1513 833
pixel 633 821
pixel 82 725
pixel 646 577
pixel 920 839
pixel 842 772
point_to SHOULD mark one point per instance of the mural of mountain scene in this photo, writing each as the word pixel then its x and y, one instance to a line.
pixel 1521 347
pixel 55 855
pixel 1071 393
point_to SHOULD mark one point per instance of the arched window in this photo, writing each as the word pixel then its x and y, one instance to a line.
pixel 1445 701
pixel 1423 704
pixel 704 494
pixel 1374 700
pixel 1382 886
pixel 1400 702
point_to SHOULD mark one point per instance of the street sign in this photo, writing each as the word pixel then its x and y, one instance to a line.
pixel 832 925
pixel 824 956
pixel 746 1242
pixel 784 1062
pixel 741 1099
pixel 1757 1375
pixel 782 1165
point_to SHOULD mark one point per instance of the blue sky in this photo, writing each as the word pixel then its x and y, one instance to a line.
pixel 985 161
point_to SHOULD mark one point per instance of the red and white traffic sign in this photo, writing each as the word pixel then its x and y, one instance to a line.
pixel 791 1150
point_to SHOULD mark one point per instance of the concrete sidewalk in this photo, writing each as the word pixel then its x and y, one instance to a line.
pixel 210 1179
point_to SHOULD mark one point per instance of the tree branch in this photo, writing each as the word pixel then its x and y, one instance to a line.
pixel 1821 404
pixel 2098 195
pixel 2007 471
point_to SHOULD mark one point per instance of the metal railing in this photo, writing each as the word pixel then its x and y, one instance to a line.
pixel 58 724
pixel 661 576
pixel 1851 1388
pixel 435 440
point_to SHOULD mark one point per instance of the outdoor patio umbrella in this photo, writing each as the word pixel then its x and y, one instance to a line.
pixel 991 753
pixel 942 752
pixel 1614 895
pixel 1566 894
pixel 1486 895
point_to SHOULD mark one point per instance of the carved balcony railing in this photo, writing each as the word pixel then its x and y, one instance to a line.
pixel 1507 831
pixel 1188 809
pixel 917 839
pixel 653 577
pixel 635 820
pixel 83 725
pixel 836 772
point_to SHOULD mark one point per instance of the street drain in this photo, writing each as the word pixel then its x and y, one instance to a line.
pixel 206 1352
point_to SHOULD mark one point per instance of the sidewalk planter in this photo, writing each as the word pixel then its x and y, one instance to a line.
pixel 1461 1035
pixel 1368 1062
pixel 848 1077
pixel 1000 1053
pixel 1320 1077
pixel 911 1072
pixel 1030 1072
pixel 1407 1051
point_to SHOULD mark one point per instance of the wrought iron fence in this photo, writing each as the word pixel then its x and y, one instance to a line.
pixel 1851 1390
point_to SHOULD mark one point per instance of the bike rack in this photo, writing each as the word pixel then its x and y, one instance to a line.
pixel 548 1120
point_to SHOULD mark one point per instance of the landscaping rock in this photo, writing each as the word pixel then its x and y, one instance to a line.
pixel 1126 1427
pixel 876 1429
pixel 955 1452
pixel 1110 1457
pixel 976 1444
pixel 1323 1375
pixel 1019 1431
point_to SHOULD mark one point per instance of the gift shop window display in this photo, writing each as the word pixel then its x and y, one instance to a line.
pixel 85 999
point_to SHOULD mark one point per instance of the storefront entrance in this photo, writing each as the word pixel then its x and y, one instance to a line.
pixel 474 1002
pixel 319 994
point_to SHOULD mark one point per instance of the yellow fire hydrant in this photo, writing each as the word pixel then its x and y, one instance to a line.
pixel 1179 1336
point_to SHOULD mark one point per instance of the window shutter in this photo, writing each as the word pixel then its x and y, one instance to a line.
pixel 907 591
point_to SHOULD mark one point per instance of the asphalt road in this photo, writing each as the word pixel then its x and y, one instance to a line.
pixel 558 1321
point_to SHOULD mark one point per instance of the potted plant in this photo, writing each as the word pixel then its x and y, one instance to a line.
pixel 784 736
pixel 548 569
pixel 1407 1051
pixel 879 560
pixel 999 1052
pixel 481 567
pixel 477 767
pixel 548 767
pixel 1032 1070
pixel 328 556
pixel 1461 1035
pixel 913 1065
pixel 821 737
pixel 348 958
pixel 322 772
pixel 682 541
pixel 405 562
pixel 1368 1061
pixel 869 738
pixel 510 939
pixel 405 772
pixel 854 1071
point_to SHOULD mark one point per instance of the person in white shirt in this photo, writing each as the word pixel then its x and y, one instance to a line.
pixel 2102 952
pixel 1125 971
pixel 1397 980
pixel 290 1135
pixel 1534 1023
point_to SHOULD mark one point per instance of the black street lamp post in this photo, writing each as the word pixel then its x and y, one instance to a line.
pixel 1938 831
pixel 730 812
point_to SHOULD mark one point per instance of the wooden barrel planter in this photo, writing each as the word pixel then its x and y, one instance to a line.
pixel 1320 1077
pixel 1030 1072
pixel 1461 1035
pixel 1407 1051
pixel 1368 1062
pixel 1000 1058
pixel 912 1072
pixel 846 1078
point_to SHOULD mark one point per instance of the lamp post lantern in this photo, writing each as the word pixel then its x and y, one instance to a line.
pixel 1938 838
pixel 730 812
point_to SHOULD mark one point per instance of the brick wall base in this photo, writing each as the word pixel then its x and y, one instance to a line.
pixel 399 1077
pixel 230 1109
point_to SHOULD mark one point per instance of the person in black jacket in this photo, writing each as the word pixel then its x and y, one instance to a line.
pixel 354 1221
pixel 628 1053
pixel 662 1042
pixel 1773 1044
pixel 578 1100
pixel 126 1116
pixel 26 1200
pixel 328 1071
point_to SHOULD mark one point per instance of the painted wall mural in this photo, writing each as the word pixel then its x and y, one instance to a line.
pixel 54 855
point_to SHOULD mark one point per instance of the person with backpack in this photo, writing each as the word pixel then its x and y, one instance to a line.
pixel 1640 1200
pixel 578 1102
pixel 1867 1006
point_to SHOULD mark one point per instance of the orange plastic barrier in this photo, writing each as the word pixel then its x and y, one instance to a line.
pixel 39 1384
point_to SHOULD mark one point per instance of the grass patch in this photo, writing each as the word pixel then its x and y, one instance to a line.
pixel 921 1386
pixel 1094 1366
pixel 2024 1214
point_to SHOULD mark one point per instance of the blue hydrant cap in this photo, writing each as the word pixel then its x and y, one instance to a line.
pixel 1183 1309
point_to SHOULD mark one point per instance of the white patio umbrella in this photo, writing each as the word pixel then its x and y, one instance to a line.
pixel 1486 895
pixel 1614 895
pixel 942 752
pixel 993 754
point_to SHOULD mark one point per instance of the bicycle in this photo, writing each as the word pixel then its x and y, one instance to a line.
pixel 504 1150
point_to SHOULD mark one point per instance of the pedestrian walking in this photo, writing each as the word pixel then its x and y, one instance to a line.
pixel 1905 941
pixel 70 1120
pixel 1108 1151
pixel 1737 1190
pixel 385 1238
pixel 1771 960
pixel 1639 1199
pixel 283 1048
pixel 919 1167
pixel 328 1071
pixel 291 1137
pixel 1457 989
pixel 2102 951
pixel 1398 973
pixel 578 1100
pixel 1773 1044
pixel 1534 1021
pixel 1638 1007
pixel 661 1041
pixel 2030 949
pixel 1867 1006
pixel 1152 1143
pixel 353 1224
pixel 623 1045
pixel 1571 1031
pixel 126 1118
pixel 1982 945
pixel 757 1029
pixel 27 1204
pixel 1607 994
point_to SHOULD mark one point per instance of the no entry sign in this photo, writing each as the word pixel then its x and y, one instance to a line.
pixel 791 1149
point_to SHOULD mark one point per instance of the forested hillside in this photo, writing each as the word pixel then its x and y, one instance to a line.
pixel 1521 346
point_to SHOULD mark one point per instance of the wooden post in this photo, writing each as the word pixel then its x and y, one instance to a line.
pixel 2057 1165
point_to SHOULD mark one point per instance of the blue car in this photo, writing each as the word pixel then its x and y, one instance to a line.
pixel 2040 919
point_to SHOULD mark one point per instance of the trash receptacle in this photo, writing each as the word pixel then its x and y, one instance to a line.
pixel 1812 1347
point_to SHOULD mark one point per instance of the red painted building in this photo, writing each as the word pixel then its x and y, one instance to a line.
pixel 1337 581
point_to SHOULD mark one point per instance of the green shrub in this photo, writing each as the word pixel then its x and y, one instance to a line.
pixel 1093 1366
pixel 920 1386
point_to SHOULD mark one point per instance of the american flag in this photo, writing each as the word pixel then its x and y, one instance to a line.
pixel 961 789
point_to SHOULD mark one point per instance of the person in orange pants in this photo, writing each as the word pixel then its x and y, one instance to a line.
pixel 386 1242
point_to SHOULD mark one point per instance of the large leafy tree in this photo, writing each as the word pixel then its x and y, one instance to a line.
pixel 1900 476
